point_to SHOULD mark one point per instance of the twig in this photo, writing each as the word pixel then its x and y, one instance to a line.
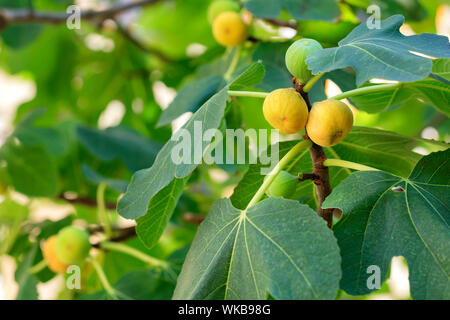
pixel 193 218
pixel 308 176
pixel 86 202
pixel 13 16
pixel 127 34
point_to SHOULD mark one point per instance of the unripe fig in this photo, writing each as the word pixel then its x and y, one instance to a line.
pixel 283 186
pixel 296 58
pixel 72 245
pixel 219 6
pixel 329 122
pixel 286 110
pixel 229 29
pixel 49 253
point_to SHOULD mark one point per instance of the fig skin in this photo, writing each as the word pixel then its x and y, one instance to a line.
pixel 329 122
pixel 220 6
pixel 286 110
pixel 49 253
pixel 229 29
pixel 72 245
pixel 296 58
pixel 283 185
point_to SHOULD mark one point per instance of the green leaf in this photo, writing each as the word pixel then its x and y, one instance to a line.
pixel 441 67
pixel 119 142
pixel 31 169
pixel 367 146
pixel 431 91
pixel 190 98
pixel 249 77
pixel 382 53
pixel 148 182
pixel 144 285
pixel 299 9
pixel 151 226
pixel 278 246
pixel 385 216
pixel 26 281
pixel 97 178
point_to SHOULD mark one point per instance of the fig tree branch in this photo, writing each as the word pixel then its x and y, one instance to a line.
pixel 15 16
pixel 322 185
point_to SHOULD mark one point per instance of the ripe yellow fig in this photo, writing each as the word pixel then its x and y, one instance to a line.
pixel 219 6
pixel 329 122
pixel 72 245
pixel 286 110
pixel 229 29
pixel 49 253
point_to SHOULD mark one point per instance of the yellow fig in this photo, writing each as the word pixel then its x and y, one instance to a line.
pixel 286 110
pixel 229 29
pixel 329 122
pixel 49 253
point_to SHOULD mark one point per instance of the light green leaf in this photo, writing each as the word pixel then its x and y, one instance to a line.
pixel 278 247
pixel 151 226
pixel 429 90
pixel 382 53
pixel 385 216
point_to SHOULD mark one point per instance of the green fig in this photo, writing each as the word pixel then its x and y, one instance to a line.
pixel 296 58
pixel 72 245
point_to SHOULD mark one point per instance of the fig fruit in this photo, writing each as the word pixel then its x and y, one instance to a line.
pixel 72 245
pixel 286 110
pixel 219 6
pixel 283 186
pixel 296 58
pixel 49 253
pixel 329 122
pixel 229 29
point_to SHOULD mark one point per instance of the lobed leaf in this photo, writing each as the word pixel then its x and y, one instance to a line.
pixel 393 216
pixel 382 53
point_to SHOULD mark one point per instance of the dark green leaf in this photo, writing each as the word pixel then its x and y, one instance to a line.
pixel 119 142
pixel 382 53
pixel 299 9
pixel 278 246
pixel 385 216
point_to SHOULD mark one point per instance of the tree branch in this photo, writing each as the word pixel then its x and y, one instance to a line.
pixel 322 184
pixel 130 37
pixel 13 16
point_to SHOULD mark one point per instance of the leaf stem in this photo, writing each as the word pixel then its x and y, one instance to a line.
pixel 347 164
pixel 38 267
pixel 312 82
pixel 252 94
pixel 364 90
pixel 233 64
pixel 123 248
pixel 102 215
pixel 103 279
pixel 305 144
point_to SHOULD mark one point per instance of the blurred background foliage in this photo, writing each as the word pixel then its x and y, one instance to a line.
pixel 79 108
